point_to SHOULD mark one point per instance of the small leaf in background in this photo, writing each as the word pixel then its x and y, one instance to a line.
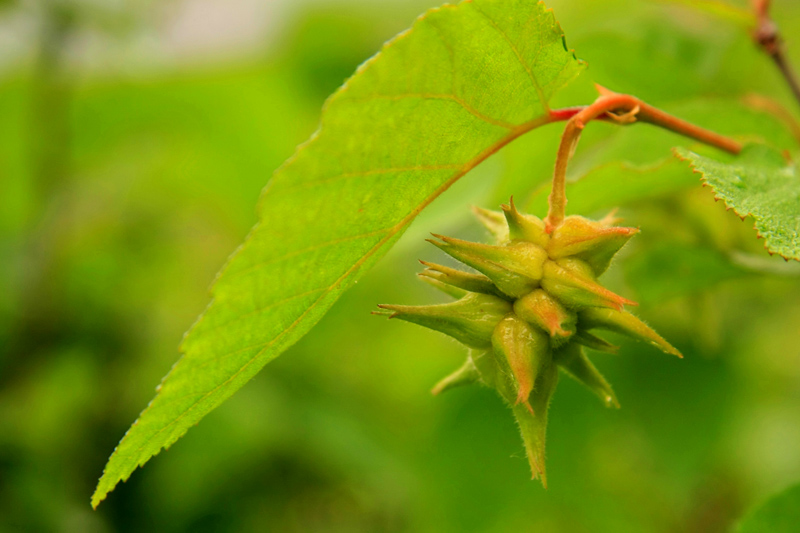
pixel 434 103
pixel 759 184
pixel 675 269
pixel 779 514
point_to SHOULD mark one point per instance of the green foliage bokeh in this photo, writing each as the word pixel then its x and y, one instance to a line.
pixel 107 252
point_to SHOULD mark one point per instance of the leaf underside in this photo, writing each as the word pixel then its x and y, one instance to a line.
pixel 435 102
pixel 760 184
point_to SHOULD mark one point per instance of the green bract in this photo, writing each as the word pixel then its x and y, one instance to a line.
pixel 529 311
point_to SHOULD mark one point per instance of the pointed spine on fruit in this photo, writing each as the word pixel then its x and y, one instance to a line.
pixel 524 227
pixel 572 359
pixel 523 258
pixel 594 242
pixel 570 281
pixel 492 221
pixel 450 290
pixel 465 281
pixel 625 323
pixel 470 320
pixel 466 374
pixel 524 349
pixel 490 372
pixel 584 338
pixel 487 260
pixel 534 427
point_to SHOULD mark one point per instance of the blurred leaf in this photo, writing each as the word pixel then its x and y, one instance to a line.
pixel 758 264
pixel 779 514
pixel 437 101
pixel 759 184
pixel 721 9
pixel 674 269
pixel 317 51
pixel 615 184
pixel 655 60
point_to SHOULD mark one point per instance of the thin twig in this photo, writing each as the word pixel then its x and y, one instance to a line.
pixel 768 37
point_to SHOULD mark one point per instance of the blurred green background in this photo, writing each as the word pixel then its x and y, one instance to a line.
pixel 134 140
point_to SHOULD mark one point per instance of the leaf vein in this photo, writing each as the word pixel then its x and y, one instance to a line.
pixel 372 172
pixel 319 246
pixel 522 62
pixel 441 96
pixel 257 311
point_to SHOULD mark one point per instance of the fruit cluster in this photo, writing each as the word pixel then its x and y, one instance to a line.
pixel 529 310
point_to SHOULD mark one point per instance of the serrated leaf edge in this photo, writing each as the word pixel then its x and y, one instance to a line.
pixel 677 152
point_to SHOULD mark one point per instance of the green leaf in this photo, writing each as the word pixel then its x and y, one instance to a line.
pixel 760 184
pixel 779 514
pixel 434 103
pixel 674 269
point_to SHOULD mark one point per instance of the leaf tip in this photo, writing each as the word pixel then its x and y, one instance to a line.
pixel 611 401
pixel 96 499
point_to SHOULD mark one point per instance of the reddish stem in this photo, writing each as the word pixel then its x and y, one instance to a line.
pixel 623 109
pixel 566 113
pixel 767 36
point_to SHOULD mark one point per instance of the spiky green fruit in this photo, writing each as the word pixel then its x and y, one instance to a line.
pixel 529 311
